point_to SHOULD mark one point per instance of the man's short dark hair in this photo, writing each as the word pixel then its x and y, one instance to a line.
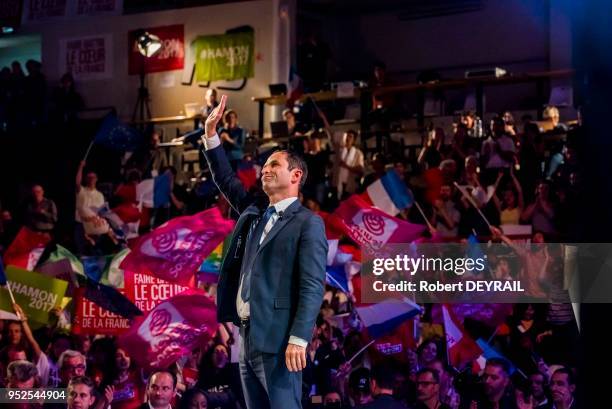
pixel 82 380
pixel 172 374
pixel 500 363
pixel 384 375
pixel 21 370
pixel 571 378
pixel 297 162
pixel 433 372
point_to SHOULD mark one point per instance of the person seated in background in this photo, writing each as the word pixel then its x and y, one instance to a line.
pixel 22 375
pixel 233 138
pixel 40 212
pixel 430 156
pixel 509 126
pixel 498 151
pixel 497 386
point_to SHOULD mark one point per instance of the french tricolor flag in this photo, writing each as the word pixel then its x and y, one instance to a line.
pixel 383 317
pixel 461 348
pixel 389 193
pixel 155 193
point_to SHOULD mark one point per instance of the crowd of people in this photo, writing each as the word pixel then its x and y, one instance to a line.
pixel 514 173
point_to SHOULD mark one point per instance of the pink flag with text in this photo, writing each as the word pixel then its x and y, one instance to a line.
pixel 171 330
pixel 372 228
pixel 175 250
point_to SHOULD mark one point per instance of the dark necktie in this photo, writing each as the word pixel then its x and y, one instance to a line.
pixel 252 246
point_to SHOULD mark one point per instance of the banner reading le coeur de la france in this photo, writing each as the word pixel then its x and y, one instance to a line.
pixel 35 293
pixel 87 58
pixel 224 57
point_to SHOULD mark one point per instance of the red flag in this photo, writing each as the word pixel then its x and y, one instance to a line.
pixel 395 344
pixel 247 174
pixel 333 225
pixel 371 227
pixel 433 180
pixel 175 250
pixel 26 249
pixel 461 348
pixel 171 330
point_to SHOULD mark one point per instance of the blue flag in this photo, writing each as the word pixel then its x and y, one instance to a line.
pixel 116 135
pixel 2 273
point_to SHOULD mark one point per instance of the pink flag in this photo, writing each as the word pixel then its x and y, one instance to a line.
pixel 372 228
pixel 175 250
pixel 461 348
pixel 171 330
pixel 26 249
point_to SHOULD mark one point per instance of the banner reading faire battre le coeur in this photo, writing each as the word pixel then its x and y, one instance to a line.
pixel 224 57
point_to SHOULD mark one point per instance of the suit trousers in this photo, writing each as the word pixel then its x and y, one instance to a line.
pixel 266 381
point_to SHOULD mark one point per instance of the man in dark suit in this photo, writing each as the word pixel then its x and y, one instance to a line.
pixel 272 278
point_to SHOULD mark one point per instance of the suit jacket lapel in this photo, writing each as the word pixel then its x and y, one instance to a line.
pixel 282 222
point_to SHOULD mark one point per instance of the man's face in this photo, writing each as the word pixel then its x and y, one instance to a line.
pixel 14 333
pixel 495 380
pixel 80 397
pixel 468 121
pixel 27 384
pixel 276 176
pixel 560 388
pixel 349 139
pixel 91 179
pixel 73 366
pixel 16 355
pixel 536 382
pixel 427 387
pixel 38 193
pixel 161 390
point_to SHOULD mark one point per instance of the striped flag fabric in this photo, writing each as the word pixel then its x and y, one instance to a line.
pixel 155 193
pixel 383 317
pixel 389 193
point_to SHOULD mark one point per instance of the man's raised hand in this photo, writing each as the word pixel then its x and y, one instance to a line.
pixel 210 126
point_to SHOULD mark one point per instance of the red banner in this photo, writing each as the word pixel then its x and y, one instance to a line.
pixel 147 291
pixel 170 57
pixel 91 319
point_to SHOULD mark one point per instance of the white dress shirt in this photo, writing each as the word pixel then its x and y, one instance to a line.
pixel 242 307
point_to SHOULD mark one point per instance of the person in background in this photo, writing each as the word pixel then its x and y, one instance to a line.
pixel 381 384
pixel 161 390
pixel 40 213
pixel 233 138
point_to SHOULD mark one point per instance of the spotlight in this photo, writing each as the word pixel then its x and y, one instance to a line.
pixel 148 44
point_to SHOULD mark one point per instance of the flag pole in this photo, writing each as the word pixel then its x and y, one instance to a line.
pixel 418 206
pixel 8 288
pixel 88 150
pixel 360 351
pixel 469 198
pixel 337 283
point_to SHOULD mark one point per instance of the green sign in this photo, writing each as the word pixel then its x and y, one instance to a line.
pixel 35 293
pixel 224 57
